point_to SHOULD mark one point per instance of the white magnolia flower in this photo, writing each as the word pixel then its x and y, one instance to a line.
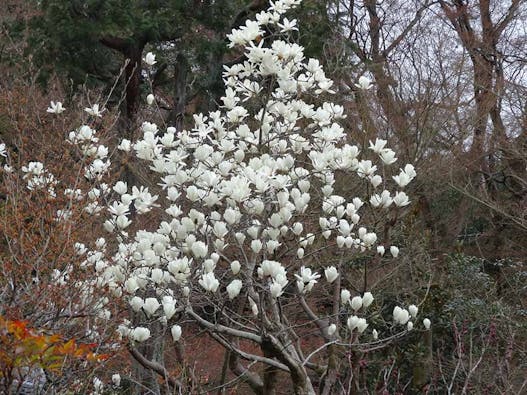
pixel 331 274
pixel 409 326
pixel 150 99
pixel 287 25
pixel 125 145
pixel 376 180
pixel 366 168
pixel 55 108
pixel 352 322
pixel 235 267
pixel 176 332
pixel 378 146
pixel 139 334
pixel 427 323
pixel 256 246
pixel 387 156
pixel 405 176
pixel 116 379
pixel 356 303
pixel 150 59
pixel 234 288
pixel 383 200
pixel 98 385
pixel 209 282
pixel 369 239
pixel 94 110
pixel 380 250
pixel 413 309
pixel 122 222
pixel 300 253
pixel 401 199
pixel 169 306
pixel 362 324
pixel 400 316
pixel 136 303
pixel 332 329
pixel 199 249
pixel 364 83
pixel 345 296
pixel 120 187
pixel 131 285
pixel 394 251
pixel 276 289
pixel 150 306
pixel 367 299
pixel 297 228
pixel 307 276
pixel 375 334
pixel 254 306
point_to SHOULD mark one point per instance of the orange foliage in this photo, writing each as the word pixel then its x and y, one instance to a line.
pixel 23 348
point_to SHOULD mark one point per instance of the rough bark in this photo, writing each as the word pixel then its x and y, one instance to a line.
pixel 132 50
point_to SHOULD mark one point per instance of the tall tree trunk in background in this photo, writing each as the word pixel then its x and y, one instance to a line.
pixel 176 116
pixel 488 77
pixel 489 138
pixel 132 50
pixel 375 59
pixel 392 108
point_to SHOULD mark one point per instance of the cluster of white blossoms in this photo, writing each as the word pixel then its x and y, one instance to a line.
pixel 241 189
pixel 39 178
pixel 239 185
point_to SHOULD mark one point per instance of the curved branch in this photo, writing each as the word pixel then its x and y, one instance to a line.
pixel 224 329
pixel 248 356
pixel 156 367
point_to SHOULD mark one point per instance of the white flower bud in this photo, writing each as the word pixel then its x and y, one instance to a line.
pixel 131 285
pixel 150 99
pixel 116 379
pixel 331 274
pixel 352 322
pixel 362 324
pixel 367 299
pixel 300 253
pixel 332 329
pixel 254 307
pixel 345 296
pixel 139 334
pixel 150 306
pixel 356 303
pixel 235 267
pixel 256 246
pixel 234 288
pixel 176 332
pixel 136 303
pixel 150 59
pixel 427 323
pixel 412 309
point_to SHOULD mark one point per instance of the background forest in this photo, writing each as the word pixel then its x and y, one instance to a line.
pixel 449 95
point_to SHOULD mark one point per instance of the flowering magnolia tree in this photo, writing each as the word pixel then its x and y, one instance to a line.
pixel 262 206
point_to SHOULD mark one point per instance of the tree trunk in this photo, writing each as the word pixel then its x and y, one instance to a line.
pixel 132 50
pixel 176 116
